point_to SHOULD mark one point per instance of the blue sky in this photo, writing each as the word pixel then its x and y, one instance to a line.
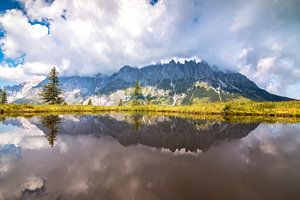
pixel 258 38
pixel 8 4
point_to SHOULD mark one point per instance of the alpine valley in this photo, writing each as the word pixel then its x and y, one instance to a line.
pixel 172 83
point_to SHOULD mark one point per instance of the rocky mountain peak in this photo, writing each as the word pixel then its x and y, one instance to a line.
pixel 170 83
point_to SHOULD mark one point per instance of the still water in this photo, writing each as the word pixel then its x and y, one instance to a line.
pixel 119 156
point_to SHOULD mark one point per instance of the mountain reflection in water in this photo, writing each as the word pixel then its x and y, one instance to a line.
pixel 119 156
pixel 173 133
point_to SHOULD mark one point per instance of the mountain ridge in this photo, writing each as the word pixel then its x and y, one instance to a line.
pixel 169 83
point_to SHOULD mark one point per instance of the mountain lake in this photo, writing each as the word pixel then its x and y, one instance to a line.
pixel 147 157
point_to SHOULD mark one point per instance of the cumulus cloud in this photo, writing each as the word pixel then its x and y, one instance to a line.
pixel 257 38
pixel 27 137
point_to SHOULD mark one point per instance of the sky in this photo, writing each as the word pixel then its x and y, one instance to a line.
pixel 258 38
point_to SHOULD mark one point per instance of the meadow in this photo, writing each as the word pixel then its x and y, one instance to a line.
pixel 235 108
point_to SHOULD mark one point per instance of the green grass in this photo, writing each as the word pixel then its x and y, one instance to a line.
pixel 235 108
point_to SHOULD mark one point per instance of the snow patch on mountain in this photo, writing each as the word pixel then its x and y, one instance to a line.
pixel 20 91
pixel 182 60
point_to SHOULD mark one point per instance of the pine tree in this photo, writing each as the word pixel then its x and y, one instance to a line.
pixel 137 90
pixel 3 96
pixel 51 93
pixel 90 102
pixel 137 93
pixel 1 91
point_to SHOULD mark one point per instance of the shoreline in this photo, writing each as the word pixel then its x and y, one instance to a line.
pixel 226 109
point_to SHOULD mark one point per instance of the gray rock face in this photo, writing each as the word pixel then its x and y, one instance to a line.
pixel 154 74
pixel 87 85
pixel 14 88
pixel 174 77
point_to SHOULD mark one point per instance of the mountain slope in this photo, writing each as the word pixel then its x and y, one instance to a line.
pixel 170 83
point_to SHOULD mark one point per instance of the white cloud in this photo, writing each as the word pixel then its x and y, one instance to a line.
pixel 21 73
pixel 22 37
pixel 265 64
pixel 29 137
pixel 244 18
pixel 86 36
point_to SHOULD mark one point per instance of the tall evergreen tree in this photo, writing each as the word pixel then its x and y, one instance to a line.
pixel 51 92
pixel 3 96
pixel 90 102
pixel 137 94
pixel 137 90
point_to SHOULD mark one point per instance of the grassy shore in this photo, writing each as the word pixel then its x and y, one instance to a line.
pixel 278 109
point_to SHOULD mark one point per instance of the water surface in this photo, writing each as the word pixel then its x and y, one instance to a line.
pixel 119 156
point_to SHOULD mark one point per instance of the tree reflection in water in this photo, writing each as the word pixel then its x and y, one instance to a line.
pixel 51 124
pixel 2 119
pixel 137 121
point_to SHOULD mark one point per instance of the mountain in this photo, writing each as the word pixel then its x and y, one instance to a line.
pixel 171 83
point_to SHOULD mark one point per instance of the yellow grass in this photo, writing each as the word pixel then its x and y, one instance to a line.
pixel 279 109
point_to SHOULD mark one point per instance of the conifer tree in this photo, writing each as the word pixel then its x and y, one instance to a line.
pixel 90 102
pixel 51 92
pixel 137 93
pixel 3 96
pixel 137 90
